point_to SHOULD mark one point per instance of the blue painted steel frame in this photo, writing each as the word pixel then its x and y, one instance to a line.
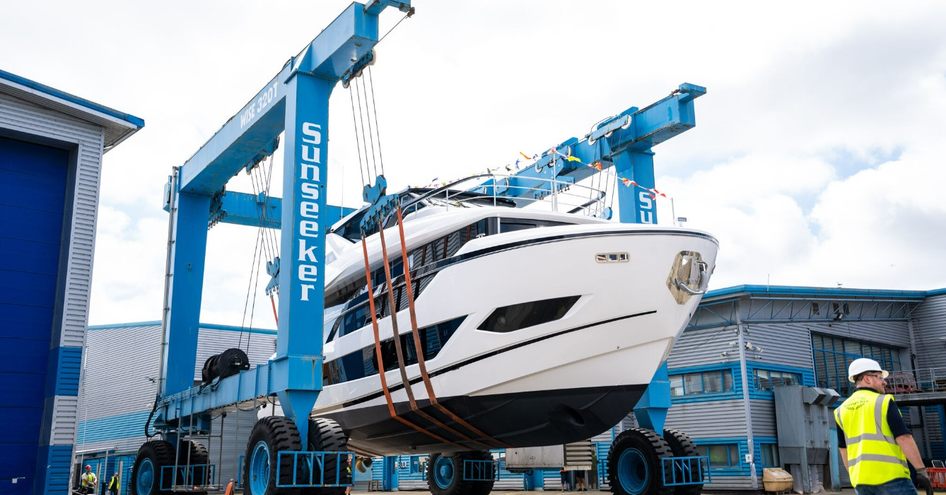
pixel 296 100
pixel 311 458
pixel 266 211
pixel 683 471
pixel 624 141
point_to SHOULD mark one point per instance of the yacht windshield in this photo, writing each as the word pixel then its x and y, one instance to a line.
pixel 416 199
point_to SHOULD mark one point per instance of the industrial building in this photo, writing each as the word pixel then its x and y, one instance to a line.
pixel 745 340
pixel 51 148
pixel 742 342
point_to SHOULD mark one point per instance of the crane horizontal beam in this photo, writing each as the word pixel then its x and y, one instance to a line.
pixel 246 136
pixel 251 210
pixel 632 131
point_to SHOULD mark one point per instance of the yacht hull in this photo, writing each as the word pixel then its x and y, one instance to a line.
pixel 555 382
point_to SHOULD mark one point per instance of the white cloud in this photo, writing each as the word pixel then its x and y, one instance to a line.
pixel 815 159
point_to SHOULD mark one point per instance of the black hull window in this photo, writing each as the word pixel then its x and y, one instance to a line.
pixel 362 363
pixel 519 316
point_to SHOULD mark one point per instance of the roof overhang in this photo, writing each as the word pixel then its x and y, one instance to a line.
pixel 783 291
pixel 118 125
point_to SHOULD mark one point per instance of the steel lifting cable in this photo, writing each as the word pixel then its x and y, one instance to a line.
pixel 368 107
pixel 364 140
pixel 249 289
pixel 401 362
pixel 421 364
pixel 260 185
pixel 374 106
pixel 266 180
pixel 361 168
pixel 380 359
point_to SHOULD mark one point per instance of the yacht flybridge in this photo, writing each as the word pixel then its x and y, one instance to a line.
pixel 535 327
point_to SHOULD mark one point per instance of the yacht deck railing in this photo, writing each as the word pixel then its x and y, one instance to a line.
pixel 590 198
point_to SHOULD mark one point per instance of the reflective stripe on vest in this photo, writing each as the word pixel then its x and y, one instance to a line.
pixel 874 458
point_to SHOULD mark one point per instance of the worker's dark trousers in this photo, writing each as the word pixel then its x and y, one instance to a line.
pixel 900 486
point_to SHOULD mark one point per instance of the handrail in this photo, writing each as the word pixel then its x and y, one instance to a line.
pixel 922 380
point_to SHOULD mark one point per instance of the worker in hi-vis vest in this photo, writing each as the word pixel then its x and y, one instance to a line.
pixel 874 442
pixel 88 480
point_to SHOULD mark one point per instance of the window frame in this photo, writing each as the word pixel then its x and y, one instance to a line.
pixel 831 356
pixel 757 379
pixel 773 456
pixel 733 458
pixel 679 382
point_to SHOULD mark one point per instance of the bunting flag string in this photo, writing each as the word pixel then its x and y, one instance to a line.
pixel 597 165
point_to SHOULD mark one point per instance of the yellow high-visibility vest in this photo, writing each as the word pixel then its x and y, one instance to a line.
pixel 873 456
pixel 88 480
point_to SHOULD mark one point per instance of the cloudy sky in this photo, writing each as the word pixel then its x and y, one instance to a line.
pixel 818 156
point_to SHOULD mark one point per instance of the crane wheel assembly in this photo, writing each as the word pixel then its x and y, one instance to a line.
pixel 682 446
pixel 148 475
pixel 325 435
pixel 634 463
pixel 263 468
pixel 462 473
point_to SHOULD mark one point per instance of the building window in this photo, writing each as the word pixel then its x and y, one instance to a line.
pixel 720 456
pixel 769 455
pixel 832 355
pixel 766 379
pixel 707 382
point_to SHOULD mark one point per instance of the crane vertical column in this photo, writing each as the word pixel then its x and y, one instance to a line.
pixel 187 270
pixel 636 205
pixel 301 277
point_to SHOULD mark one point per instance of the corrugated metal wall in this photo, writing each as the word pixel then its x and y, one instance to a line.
pixel 118 386
pixel 929 327
pixel 72 301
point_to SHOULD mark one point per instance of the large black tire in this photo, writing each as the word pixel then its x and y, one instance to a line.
pixel 274 433
pixel 681 445
pixel 480 487
pixel 440 484
pixel 199 458
pixel 326 435
pixel 151 458
pixel 634 463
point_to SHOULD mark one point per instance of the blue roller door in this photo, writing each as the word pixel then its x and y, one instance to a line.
pixel 32 199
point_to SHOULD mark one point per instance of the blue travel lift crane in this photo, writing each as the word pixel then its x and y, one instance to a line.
pixel 286 453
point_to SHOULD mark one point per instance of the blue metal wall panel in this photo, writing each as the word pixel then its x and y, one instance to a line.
pixel 65 363
pixel 111 427
pixel 52 469
pixel 32 200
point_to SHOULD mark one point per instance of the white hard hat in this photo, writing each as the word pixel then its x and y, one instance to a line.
pixel 863 365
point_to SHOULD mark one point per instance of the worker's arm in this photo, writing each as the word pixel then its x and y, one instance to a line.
pixel 842 443
pixel 908 445
pixel 903 435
